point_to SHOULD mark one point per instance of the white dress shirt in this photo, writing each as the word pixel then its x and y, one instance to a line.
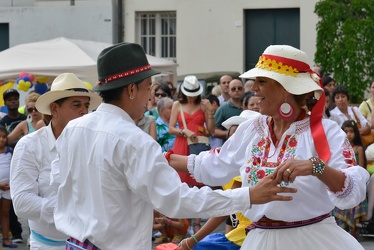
pixel 337 116
pixel 251 152
pixel 113 175
pixel 33 197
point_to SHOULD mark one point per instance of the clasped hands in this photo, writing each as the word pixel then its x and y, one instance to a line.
pixel 268 188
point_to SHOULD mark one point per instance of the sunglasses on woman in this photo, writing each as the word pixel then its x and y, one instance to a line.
pixel 30 110
pixel 161 94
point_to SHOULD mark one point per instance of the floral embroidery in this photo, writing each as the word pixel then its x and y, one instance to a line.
pixel 258 166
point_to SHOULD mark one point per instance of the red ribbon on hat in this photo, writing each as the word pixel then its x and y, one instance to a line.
pixel 318 133
pixel 125 74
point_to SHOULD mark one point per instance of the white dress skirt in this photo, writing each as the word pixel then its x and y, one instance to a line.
pixel 324 235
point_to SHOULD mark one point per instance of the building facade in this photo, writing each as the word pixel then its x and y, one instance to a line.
pixel 199 35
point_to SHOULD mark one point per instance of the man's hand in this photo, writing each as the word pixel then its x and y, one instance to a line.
pixel 267 190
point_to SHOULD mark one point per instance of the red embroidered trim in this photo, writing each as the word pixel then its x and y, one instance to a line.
pixel 125 74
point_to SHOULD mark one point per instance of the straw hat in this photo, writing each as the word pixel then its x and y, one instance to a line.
pixel 122 64
pixel 288 66
pixel 66 85
pixel 191 86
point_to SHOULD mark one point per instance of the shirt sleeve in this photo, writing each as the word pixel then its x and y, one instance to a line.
pixel 218 117
pixel 362 119
pixel 24 187
pixel 153 179
pixel 219 166
pixel 343 159
pixel 364 109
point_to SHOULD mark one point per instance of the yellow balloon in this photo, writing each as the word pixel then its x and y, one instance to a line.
pixel 41 79
pixel 88 85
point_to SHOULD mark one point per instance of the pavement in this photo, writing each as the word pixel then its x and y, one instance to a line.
pixel 366 242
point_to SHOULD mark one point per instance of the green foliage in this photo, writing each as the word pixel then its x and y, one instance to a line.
pixel 345 43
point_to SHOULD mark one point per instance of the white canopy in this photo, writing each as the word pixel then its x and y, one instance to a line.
pixel 53 57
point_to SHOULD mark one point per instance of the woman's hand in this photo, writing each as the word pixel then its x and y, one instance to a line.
pixel 4 187
pixel 187 244
pixel 290 169
pixel 191 135
pixel 206 106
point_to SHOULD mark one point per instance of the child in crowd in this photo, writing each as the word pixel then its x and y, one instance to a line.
pixel 175 229
pixel 5 158
pixel 349 218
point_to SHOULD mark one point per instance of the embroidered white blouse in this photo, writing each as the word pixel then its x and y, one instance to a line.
pixel 251 151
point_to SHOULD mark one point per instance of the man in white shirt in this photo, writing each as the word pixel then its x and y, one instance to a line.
pixel 112 175
pixel 224 82
pixel 32 195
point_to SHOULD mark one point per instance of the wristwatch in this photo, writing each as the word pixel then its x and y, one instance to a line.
pixel 181 132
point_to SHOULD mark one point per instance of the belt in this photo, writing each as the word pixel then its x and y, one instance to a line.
pixel 74 244
pixel 201 139
pixel 266 223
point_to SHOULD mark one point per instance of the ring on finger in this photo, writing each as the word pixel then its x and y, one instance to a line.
pixel 288 171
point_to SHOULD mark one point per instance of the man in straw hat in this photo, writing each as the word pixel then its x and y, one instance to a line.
pixel 33 197
pixel 293 143
pixel 113 175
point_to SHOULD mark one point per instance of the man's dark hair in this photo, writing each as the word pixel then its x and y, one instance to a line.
pixel 212 98
pixel 115 94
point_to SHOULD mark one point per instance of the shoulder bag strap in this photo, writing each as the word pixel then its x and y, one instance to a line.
pixel 182 115
pixel 356 117
pixel 368 105
pixel 184 122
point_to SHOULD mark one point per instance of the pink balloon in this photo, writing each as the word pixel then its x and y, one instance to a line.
pixel 22 74
pixel 31 77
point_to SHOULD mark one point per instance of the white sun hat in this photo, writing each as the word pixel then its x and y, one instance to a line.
pixel 288 66
pixel 236 120
pixel 191 86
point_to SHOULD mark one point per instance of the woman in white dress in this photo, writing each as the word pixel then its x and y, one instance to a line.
pixel 293 143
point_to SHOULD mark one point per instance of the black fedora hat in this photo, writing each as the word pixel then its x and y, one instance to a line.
pixel 122 64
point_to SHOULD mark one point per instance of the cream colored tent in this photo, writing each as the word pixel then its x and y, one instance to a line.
pixel 53 57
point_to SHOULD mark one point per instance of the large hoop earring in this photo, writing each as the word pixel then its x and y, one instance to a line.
pixel 29 118
pixel 286 111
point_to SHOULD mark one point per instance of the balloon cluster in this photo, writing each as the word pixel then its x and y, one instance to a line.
pixel 24 81
pixel 41 86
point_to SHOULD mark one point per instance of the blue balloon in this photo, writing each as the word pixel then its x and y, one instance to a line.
pixel 41 88
pixel 26 78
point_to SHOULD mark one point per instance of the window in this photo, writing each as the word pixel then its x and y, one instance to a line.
pixel 156 32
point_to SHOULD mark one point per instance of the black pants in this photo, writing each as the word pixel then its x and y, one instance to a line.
pixel 14 225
